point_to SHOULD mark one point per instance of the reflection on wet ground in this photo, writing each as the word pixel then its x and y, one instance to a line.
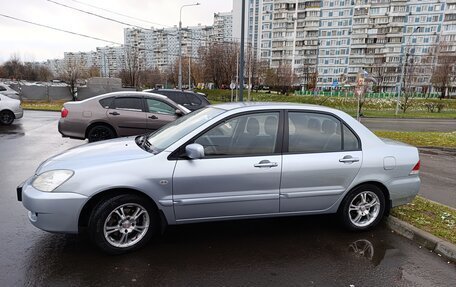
pixel 301 251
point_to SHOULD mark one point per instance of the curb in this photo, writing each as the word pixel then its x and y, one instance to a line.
pixel 431 242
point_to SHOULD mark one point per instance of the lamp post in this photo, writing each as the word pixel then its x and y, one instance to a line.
pixel 399 94
pixel 180 42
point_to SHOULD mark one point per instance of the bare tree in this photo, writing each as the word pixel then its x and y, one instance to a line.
pixel 131 69
pixel 72 71
pixel 14 67
pixel 444 73
pixel 409 81
pixel 219 63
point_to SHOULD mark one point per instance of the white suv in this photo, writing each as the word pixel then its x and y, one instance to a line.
pixel 10 109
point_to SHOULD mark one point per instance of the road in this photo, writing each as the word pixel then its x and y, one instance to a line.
pixel 299 251
pixel 418 125
pixel 438 175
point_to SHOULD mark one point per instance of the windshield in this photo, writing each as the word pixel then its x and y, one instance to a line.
pixel 173 131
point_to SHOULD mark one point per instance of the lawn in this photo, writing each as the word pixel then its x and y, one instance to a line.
pixel 432 217
pixel 422 139
pixel 42 106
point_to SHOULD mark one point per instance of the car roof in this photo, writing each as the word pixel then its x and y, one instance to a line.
pixel 169 90
pixel 272 105
pixel 127 93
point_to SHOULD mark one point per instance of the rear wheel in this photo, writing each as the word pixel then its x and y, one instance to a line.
pixel 6 117
pixel 123 223
pixel 363 207
pixel 100 132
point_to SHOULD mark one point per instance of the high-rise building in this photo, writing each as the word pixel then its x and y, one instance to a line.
pixel 223 27
pixel 339 38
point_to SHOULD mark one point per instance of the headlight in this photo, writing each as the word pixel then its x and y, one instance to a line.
pixel 50 180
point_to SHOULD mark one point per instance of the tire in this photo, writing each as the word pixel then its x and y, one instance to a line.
pixel 6 118
pixel 115 234
pixel 100 132
pixel 363 208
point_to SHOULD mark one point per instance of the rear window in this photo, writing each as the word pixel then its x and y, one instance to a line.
pixel 130 104
pixel 106 103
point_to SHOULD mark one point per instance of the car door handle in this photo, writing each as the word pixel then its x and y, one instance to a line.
pixel 115 114
pixel 265 163
pixel 153 117
pixel 348 159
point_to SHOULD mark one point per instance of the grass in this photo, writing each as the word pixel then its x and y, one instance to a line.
pixel 432 217
pixel 434 139
pixel 42 106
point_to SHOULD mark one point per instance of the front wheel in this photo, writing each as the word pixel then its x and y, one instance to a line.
pixel 99 133
pixel 363 208
pixel 123 223
pixel 6 117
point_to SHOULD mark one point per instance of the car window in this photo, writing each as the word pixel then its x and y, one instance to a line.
pixel 243 135
pixel 313 133
pixel 106 103
pixel 193 99
pixel 129 103
pixel 350 140
pixel 179 98
pixel 159 107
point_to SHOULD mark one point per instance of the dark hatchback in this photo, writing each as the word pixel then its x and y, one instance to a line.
pixel 191 100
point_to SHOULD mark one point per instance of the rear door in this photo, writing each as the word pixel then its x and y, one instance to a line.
pixel 321 158
pixel 128 115
pixel 159 113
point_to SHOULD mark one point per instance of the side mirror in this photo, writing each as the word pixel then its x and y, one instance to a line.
pixel 194 151
pixel 179 113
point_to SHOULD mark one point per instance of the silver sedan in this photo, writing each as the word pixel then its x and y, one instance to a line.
pixel 223 162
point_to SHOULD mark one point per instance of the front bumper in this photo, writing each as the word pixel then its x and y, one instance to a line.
pixel 52 211
pixel 18 114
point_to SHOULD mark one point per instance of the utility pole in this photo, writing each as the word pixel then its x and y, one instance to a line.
pixel 180 42
pixel 241 70
pixel 237 75
pixel 189 73
pixel 399 94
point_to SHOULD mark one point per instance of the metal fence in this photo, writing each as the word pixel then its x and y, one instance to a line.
pixel 368 95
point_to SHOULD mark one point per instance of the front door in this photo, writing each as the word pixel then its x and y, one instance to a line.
pixel 319 164
pixel 159 114
pixel 239 175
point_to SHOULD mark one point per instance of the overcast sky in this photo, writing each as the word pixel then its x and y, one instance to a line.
pixel 32 43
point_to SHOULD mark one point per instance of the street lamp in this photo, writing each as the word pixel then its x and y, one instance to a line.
pixel 399 94
pixel 180 41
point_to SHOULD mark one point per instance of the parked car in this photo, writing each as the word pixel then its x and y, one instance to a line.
pixel 10 110
pixel 7 91
pixel 229 161
pixel 191 100
pixel 117 114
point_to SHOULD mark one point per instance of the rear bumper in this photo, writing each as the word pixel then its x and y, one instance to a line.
pixel 67 132
pixel 404 189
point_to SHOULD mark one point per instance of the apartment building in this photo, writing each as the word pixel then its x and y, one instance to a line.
pixel 378 36
pixel 111 60
pixel 83 59
pixel 223 27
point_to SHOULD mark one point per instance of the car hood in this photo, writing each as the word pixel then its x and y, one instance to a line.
pixel 98 153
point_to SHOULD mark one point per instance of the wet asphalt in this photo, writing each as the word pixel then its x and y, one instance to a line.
pixel 298 251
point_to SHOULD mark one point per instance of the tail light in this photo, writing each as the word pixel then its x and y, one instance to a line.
pixel 416 168
pixel 64 112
